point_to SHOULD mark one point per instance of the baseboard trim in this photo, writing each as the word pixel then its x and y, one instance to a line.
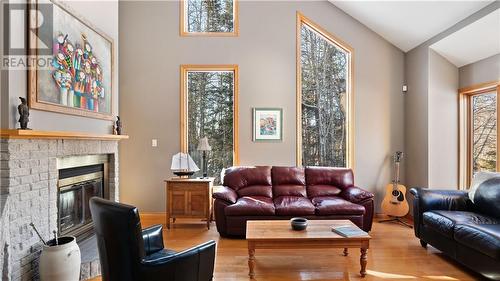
pixel 158 216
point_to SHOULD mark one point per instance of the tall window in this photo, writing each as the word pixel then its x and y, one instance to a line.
pixel 209 97
pixel 479 135
pixel 324 97
pixel 209 17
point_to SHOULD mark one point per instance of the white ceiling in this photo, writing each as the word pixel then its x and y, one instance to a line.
pixel 477 41
pixel 407 24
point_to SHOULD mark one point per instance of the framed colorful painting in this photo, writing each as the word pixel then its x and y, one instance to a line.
pixel 267 124
pixel 78 76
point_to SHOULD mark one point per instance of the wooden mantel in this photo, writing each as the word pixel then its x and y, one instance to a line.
pixel 35 134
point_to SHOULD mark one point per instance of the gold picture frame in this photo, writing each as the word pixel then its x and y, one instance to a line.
pixel 39 79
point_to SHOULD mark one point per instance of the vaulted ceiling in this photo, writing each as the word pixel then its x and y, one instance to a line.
pixel 476 41
pixel 407 24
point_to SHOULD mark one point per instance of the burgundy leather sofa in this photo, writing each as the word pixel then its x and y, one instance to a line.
pixel 267 193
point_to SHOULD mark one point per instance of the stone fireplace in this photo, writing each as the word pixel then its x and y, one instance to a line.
pixel 48 182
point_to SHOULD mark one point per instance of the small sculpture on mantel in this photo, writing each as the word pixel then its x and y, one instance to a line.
pixel 118 126
pixel 24 113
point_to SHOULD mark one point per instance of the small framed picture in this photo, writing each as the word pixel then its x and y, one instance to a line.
pixel 267 124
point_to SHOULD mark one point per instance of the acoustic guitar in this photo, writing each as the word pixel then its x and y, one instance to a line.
pixel 394 203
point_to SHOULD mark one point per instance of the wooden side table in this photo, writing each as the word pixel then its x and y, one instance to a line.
pixel 189 198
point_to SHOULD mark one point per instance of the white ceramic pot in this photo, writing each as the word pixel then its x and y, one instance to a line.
pixel 61 262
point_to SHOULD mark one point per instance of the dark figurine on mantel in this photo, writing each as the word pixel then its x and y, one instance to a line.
pixel 24 113
pixel 118 125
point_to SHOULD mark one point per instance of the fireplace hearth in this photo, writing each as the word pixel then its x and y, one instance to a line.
pixel 80 178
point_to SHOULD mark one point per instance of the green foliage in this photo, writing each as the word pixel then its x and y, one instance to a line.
pixel 210 114
pixel 210 16
pixel 324 82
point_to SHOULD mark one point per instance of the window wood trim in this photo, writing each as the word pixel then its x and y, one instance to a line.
pixel 301 19
pixel 184 69
pixel 183 26
pixel 465 129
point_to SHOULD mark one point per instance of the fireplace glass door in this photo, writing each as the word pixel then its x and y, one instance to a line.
pixel 74 209
pixel 70 207
pixel 91 189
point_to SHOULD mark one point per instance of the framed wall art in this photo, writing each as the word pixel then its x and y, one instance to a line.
pixel 267 124
pixel 78 78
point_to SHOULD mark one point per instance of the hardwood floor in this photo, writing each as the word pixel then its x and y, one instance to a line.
pixel 394 254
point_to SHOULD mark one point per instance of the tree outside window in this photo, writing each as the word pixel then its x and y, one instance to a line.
pixel 324 96
pixel 478 134
pixel 484 132
pixel 209 101
pixel 209 17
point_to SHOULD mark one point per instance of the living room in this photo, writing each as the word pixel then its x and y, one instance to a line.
pixel 264 140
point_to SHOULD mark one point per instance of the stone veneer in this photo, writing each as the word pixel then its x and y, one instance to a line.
pixel 28 193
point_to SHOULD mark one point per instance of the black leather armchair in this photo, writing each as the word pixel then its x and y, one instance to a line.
pixel 128 253
pixel 466 231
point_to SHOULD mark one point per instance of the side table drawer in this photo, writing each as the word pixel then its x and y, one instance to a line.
pixel 183 186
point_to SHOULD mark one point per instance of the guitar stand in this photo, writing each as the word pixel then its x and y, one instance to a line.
pixel 397 220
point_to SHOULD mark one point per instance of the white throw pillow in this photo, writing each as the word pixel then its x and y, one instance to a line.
pixel 222 174
pixel 478 179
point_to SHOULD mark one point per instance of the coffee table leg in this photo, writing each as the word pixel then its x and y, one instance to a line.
pixel 362 261
pixel 346 252
pixel 251 262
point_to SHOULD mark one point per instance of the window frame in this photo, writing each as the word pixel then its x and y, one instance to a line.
pixel 183 26
pixel 184 130
pixel 465 96
pixel 303 20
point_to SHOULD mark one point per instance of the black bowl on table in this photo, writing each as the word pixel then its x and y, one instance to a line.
pixel 298 223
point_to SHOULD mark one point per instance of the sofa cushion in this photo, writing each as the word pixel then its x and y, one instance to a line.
pixel 445 221
pixel 327 181
pixel 249 181
pixel 487 197
pixel 332 205
pixel 288 181
pixel 251 206
pixel 293 206
pixel 484 238
pixel 355 194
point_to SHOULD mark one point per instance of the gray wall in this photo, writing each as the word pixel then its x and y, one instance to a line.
pixel 151 52
pixel 105 18
pixel 416 117
pixel 4 96
pixel 482 71
pixel 443 122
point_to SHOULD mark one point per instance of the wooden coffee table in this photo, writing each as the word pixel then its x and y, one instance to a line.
pixel 277 234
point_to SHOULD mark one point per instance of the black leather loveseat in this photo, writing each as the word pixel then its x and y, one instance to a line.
pixel 466 231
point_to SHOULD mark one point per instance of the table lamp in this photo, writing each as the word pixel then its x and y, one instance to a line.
pixel 204 147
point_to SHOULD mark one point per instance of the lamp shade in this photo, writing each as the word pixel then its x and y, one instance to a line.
pixel 203 145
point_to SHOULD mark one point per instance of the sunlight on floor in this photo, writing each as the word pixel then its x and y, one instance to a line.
pixel 389 275
pixel 440 278
pixel 385 275
pixel 344 276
